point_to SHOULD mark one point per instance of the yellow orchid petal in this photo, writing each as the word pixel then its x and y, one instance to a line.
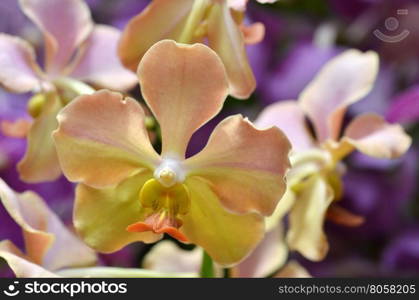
pixel 344 80
pixel 228 238
pixel 115 272
pixel 21 266
pixel 290 118
pixel 372 135
pixel 162 19
pixel 102 139
pixel 47 240
pixel 268 256
pixel 19 71
pixel 40 162
pixel 101 216
pixel 283 207
pixel 225 37
pixel 184 86
pixel 305 233
pixel 65 25
pixel 245 176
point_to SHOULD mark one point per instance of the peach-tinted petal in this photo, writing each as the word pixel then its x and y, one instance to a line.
pixel 101 216
pixel 99 63
pixel 306 218
pixel 185 86
pixel 19 72
pixel 65 25
pixel 21 266
pixel 372 135
pixel 162 19
pixel 16 129
pixel 245 175
pixel 268 256
pixel 47 241
pixel 344 80
pixel 166 256
pixel 228 238
pixel 102 139
pixel 225 37
pixel 40 162
pixel 290 118
pixel 254 33
pixel 293 270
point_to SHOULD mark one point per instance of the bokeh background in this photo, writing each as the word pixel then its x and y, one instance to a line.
pixel 301 35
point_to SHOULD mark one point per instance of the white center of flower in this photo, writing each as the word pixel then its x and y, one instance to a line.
pixel 169 172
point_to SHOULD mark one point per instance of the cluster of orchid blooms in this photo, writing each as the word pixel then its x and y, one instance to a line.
pixel 255 192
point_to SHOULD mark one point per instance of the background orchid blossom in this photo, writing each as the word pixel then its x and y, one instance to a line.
pixel 75 50
pixel 315 178
pixel 127 192
pixel 49 245
pixel 220 22
pixel 166 256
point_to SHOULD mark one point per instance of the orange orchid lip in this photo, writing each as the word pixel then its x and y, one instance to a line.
pixel 172 231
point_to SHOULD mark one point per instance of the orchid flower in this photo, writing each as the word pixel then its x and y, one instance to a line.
pixel 220 22
pixel 314 182
pixel 166 256
pixel 49 245
pixel 76 50
pixel 217 198
pixel 52 250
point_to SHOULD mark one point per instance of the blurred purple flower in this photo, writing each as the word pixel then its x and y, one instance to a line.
pixel 401 256
pixel 405 107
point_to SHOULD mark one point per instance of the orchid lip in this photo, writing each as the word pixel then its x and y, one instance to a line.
pixel 169 172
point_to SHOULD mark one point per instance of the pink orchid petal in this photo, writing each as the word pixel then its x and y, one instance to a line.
pixel 102 139
pixel 245 176
pixel 48 242
pixel 162 19
pixel 65 24
pixel 227 237
pixel 290 118
pixel 40 162
pixel 344 80
pixel 372 135
pixel 99 63
pixel 21 266
pixel 268 256
pixel 19 71
pixel 185 86
pixel 225 37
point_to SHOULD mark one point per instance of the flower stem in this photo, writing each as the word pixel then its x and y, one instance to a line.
pixel 207 266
